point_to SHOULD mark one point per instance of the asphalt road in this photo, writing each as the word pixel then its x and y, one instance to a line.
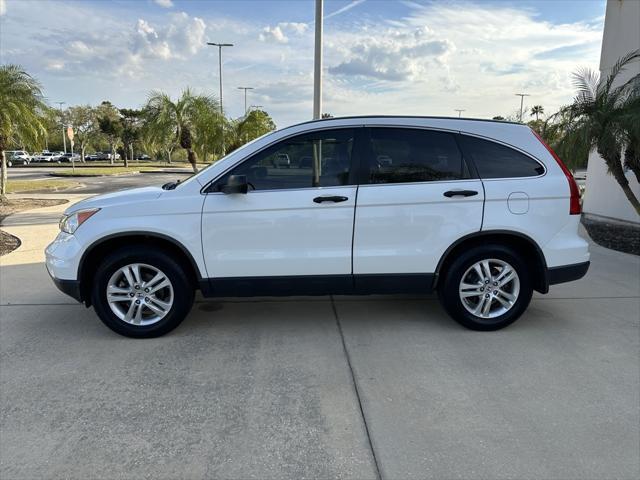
pixel 344 387
pixel 99 185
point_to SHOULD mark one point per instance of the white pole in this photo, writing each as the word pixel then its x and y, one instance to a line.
pixel 317 67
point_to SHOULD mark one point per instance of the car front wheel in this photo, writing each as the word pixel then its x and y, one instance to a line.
pixel 486 288
pixel 141 293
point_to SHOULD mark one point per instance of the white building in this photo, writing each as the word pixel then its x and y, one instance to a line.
pixel 603 195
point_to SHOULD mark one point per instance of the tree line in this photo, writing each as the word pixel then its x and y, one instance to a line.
pixel 193 122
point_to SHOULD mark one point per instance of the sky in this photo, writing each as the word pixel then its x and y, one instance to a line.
pixel 380 57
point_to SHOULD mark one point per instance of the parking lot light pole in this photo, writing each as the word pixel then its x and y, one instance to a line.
pixel 317 64
pixel 522 95
pixel 245 97
pixel 220 45
pixel 64 138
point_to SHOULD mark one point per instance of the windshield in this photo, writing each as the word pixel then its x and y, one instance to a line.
pixel 237 151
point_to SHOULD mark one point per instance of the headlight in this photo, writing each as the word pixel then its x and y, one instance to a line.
pixel 70 223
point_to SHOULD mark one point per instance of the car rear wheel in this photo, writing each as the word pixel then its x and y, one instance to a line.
pixel 486 288
pixel 141 293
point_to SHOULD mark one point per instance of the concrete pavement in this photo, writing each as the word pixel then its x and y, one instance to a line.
pixel 345 387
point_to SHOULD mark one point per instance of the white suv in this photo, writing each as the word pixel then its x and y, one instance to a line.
pixel 483 212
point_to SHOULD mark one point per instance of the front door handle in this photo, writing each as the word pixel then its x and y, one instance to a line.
pixel 335 199
pixel 460 193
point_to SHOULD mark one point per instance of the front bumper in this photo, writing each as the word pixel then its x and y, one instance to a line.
pixel 62 257
pixel 567 273
pixel 70 287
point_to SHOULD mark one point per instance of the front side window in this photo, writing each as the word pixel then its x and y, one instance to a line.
pixel 498 161
pixel 399 155
pixel 316 159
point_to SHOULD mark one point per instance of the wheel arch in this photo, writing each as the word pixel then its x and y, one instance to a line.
pixel 532 253
pixel 96 251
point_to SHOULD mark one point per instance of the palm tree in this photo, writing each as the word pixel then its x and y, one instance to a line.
pixel 208 126
pixel 537 110
pixel 186 118
pixel 21 107
pixel 606 117
pixel 631 127
pixel 253 125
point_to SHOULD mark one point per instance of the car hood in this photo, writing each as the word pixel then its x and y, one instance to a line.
pixel 133 195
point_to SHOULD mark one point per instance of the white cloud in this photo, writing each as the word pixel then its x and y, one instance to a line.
pixel 3 7
pixel 164 3
pixel 394 55
pixel 181 38
pixel 54 65
pixel 277 34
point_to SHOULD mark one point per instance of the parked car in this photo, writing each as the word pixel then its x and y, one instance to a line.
pixel 91 157
pixel 143 156
pixel 48 157
pixel 106 156
pixel 17 157
pixel 482 212
pixel 70 157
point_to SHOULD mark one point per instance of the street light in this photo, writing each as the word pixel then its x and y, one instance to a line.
pixel 245 96
pixel 459 110
pixel 317 64
pixel 64 139
pixel 522 95
pixel 220 45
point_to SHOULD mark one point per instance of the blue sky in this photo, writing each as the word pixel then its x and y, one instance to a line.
pixel 385 57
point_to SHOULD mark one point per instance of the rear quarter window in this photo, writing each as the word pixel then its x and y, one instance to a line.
pixel 493 160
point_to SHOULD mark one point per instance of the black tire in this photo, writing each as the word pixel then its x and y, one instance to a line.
pixel 183 291
pixel 448 291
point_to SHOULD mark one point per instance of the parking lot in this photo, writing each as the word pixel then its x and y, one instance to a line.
pixel 324 387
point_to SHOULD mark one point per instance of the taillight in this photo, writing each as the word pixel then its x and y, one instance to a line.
pixel 574 201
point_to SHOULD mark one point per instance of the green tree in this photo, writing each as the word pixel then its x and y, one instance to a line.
pixel 536 111
pixel 110 125
pixel 21 109
pixel 84 121
pixel 604 117
pixel 253 125
pixel 208 126
pixel 186 118
pixel 553 130
pixel 131 120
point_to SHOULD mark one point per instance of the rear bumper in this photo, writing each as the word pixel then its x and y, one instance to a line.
pixel 567 273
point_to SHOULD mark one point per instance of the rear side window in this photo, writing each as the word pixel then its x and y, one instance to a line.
pixel 400 155
pixel 497 161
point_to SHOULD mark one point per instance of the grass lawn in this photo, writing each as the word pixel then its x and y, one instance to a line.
pixel 19 186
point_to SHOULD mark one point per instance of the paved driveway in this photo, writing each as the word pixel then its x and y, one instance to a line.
pixel 344 387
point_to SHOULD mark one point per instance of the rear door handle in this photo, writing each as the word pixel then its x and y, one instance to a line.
pixel 335 199
pixel 460 193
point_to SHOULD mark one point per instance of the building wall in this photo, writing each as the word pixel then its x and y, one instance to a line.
pixel 603 195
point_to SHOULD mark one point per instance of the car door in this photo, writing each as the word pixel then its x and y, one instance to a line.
pixel 417 197
pixel 296 218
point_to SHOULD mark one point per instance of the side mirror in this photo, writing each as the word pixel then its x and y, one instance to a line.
pixel 235 184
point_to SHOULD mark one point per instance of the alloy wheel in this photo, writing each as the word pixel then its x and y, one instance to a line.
pixel 489 288
pixel 139 294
